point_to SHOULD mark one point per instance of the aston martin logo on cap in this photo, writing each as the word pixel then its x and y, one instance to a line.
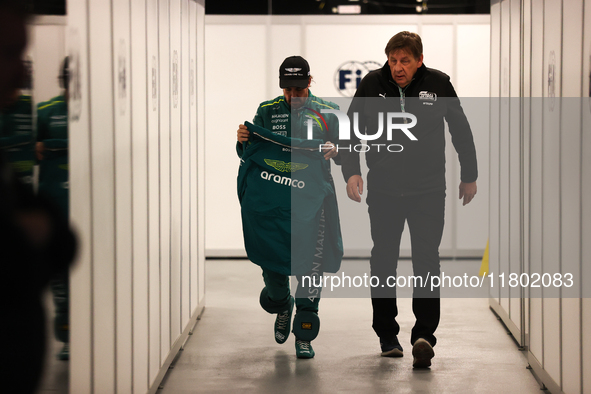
pixel 293 70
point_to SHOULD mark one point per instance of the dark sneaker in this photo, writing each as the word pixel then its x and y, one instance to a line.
pixel 391 348
pixel 304 349
pixel 283 323
pixel 422 351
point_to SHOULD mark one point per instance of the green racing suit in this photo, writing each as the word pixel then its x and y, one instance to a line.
pixel 52 130
pixel 288 201
pixel 16 138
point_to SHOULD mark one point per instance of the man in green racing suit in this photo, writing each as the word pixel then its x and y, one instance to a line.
pixel 52 154
pixel 16 136
pixel 276 234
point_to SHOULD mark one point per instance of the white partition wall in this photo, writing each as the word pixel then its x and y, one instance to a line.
pixel 153 119
pixel 494 143
pixel 164 173
pixel 140 212
pixel 81 202
pixel 586 195
pixel 175 168
pixel 535 178
pixel 199 177
pixel 136 135
pixel 547 149
pixel 123 195
pixel 506 239
pixel 456 44
pixel 570 184
pixel 46 50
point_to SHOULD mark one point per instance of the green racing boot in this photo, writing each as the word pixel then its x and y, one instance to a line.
pixel 283 322
pixel 304 349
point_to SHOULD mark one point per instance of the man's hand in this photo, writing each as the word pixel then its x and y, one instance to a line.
pixel 36 226
pixel 39 148
pixel 355 187
pixel 329 152
pixel 467 191
pixel 243 133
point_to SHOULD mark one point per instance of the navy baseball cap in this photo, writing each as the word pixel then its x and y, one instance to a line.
pixel 294 72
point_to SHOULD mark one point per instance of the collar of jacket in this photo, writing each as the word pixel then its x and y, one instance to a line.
pixel 288 142
pixel 306 104
pixel 387 74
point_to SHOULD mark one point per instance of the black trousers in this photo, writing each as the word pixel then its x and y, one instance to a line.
pixel 425 216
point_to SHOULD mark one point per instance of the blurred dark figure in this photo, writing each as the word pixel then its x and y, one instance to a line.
pixel 17 140
pixel 35 239
pixel 52 154
pixel 16 135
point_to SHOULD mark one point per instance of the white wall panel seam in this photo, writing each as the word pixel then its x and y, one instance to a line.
pixel 181 107
pixel 200 146
pixel 491 136
pixel 199 213
pixel 199 69
pixel 581 184
pixel 131 143
pixel 164 265
pixel 525 177
pixel 90 158
pixel 187 185
pixel 490 60
pixel 190 175
pixel 173 190
pixel 201 189
pixel 186 127
pixel 195 132
pixel 542 358
pixel 530 150
pixel 180 167
pixel 113 100
pixel 527 163
pixel 500 132
pixel 170 246
pixel 180 202
pixel 512 149
pixel 157 46
pixel 169 175
pixel 504 182
pixel 159 193
pixel 454 163
pixel 560 306
pixel 148 80
pixel 529 175
pixel 508 180
pixel 195 151
pixel 183 169
pixel 490 156
pixel 521 171
pixel 520 254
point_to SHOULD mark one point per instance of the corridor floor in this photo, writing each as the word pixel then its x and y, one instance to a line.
pixel 233 349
